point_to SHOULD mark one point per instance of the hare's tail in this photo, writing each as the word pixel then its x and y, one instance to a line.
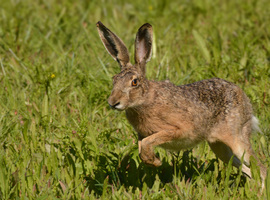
pixel 255 125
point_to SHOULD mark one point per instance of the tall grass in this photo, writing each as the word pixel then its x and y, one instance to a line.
pixel 60 140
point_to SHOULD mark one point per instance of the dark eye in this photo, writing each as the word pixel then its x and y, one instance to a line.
pixel 134 82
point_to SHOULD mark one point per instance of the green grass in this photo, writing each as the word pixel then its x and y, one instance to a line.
pixel 60 140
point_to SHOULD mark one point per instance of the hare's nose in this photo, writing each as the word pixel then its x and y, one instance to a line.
pixel 114 106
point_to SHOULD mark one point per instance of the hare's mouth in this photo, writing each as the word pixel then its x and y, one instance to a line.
pixel 118 106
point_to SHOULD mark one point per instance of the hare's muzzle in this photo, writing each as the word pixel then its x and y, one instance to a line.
pixel 114 106
pixel 114 103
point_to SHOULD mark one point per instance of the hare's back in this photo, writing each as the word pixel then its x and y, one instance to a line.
pixel 218 96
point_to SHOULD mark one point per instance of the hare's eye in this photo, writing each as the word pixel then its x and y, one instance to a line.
pixel 134 82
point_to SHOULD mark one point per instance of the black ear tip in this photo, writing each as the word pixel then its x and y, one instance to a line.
pixel 145 27
pixel 99 24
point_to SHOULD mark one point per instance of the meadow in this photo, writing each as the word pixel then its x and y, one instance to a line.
pixel 59 139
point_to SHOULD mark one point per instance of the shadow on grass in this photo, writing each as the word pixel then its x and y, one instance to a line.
pixel 129 174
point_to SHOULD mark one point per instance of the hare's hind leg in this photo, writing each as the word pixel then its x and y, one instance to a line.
pixel 225 153
pixel 228 142
pixel 228 139
pixel 246 132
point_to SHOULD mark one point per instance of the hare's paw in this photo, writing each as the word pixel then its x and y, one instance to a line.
pixel 150 159
pixel 157 162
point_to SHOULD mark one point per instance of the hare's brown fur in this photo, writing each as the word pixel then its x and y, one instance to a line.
pixel 179 117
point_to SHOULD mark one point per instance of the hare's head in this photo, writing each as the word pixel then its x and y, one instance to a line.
pixel 130 85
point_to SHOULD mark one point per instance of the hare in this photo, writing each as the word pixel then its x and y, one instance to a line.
pixel 179 117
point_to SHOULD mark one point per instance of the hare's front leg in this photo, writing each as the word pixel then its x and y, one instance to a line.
pixel 147 154
pixel 147 145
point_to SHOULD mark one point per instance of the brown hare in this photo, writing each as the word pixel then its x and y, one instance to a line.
pixel 179 117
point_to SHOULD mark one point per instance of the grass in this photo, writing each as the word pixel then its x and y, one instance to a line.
pixel 59 138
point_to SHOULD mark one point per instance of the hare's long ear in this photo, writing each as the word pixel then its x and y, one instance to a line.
pixel 114 45
pixel 143 45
